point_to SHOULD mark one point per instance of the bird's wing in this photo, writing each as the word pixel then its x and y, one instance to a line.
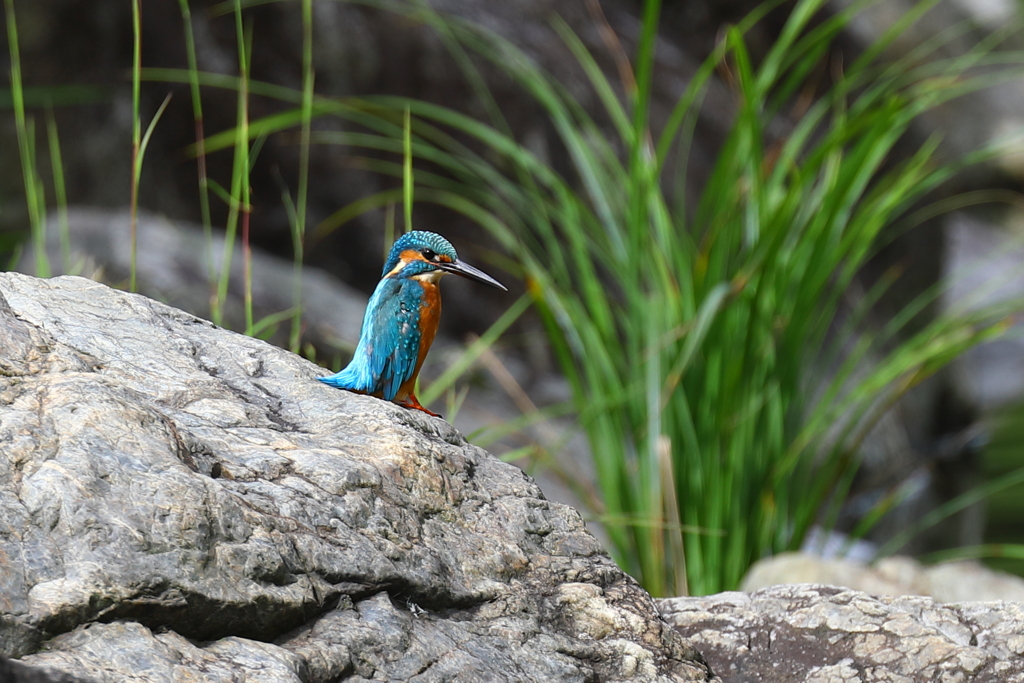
pixel 393 334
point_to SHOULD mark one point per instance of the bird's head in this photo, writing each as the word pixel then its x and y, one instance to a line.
pixel 427 256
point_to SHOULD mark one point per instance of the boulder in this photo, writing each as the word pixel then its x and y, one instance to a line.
pixel 179 502
pixel 823 634
pixel 173 259
pixel 963 581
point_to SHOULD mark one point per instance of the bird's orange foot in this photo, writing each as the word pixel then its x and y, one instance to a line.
pixel 412 402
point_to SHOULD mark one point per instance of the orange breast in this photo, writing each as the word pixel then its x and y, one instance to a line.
pixel 430 316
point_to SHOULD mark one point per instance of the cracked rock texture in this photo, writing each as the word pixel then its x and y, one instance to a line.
pixel 182 503
pixel 822 634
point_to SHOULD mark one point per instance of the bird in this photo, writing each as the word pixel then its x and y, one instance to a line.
pixel 401 319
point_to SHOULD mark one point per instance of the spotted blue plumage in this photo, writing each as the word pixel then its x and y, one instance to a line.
pixel 389 344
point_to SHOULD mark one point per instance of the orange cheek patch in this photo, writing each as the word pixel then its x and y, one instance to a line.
pixel 404 258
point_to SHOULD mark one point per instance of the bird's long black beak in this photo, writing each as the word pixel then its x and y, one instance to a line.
pixel 465 270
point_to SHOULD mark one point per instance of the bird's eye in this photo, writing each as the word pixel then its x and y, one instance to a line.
pixel 429 254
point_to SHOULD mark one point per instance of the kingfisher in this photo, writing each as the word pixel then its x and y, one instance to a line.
pixel 401 319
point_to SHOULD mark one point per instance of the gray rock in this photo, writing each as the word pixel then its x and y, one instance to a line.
pixel 16 672
pixel 822 634
pixel 179 502
pixel 946 582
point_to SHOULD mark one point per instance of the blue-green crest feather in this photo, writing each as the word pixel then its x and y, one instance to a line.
pixel 418 240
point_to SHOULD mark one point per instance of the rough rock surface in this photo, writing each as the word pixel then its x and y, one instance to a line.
pixel 15 672
pixel 178 502
pixel 822 634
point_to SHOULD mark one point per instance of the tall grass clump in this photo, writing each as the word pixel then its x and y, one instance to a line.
pixel 690 333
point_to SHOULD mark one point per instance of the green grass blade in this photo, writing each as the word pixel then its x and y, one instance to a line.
pixel 59 190
pixel 26 148
pixel 407 178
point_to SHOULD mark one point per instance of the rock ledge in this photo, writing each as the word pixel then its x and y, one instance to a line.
pixel 823 634
pixel 181 502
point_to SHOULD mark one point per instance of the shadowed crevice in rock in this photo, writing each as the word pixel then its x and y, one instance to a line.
pixel 196 617
pixel 181 496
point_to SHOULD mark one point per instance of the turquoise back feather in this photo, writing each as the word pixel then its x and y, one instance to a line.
pixel 389 344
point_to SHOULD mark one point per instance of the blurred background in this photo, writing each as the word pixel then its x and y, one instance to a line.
pixel 802 308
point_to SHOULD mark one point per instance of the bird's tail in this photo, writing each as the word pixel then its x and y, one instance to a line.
pixel 346 379
pixel 333 381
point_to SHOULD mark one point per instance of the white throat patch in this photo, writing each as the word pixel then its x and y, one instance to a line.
pixel 432 277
